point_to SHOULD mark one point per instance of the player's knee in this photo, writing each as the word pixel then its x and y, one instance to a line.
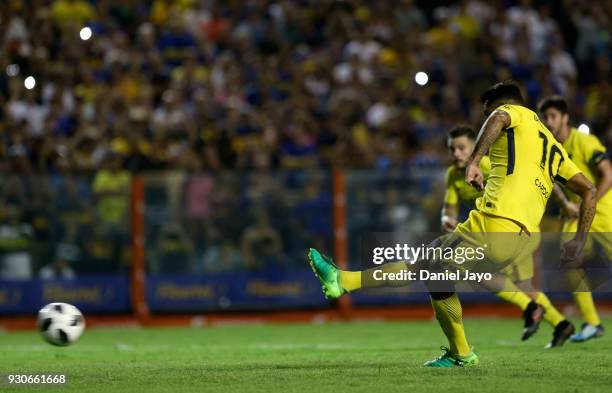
pixel 526 286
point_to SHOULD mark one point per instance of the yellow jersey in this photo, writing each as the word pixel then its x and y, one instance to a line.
pixel 586 151
pixel 525 161
pixel 457 190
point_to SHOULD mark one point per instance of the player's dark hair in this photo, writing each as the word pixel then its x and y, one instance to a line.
pixel 556 102
pixel 502 90
pixel 458 131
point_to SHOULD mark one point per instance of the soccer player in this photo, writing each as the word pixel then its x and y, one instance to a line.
pixel 523 169
pixel 461 141
pixel 590 156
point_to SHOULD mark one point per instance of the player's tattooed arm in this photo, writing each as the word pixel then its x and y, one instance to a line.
pixel 492 127
pixel 580 185
pixel 583 187
pixel 604 183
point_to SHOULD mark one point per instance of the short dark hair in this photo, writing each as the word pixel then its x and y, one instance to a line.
pixel 556 102
pixel 501 90
pixel 462 130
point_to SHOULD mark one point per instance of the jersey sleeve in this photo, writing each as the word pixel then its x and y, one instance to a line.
pixel 567 169
pixel 515 114
pixel 594 151
pixel 451 197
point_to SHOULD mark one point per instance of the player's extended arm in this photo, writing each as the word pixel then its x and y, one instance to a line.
pixel 580 185
pixel 568 208
pixel 449 217
pixel 605 178
pixel 492 127
pixel 558 195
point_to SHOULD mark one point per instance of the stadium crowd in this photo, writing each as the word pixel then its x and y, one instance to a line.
pixel 91 91
pixel 278 84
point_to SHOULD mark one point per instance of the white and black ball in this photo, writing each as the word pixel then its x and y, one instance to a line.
pixel 60 323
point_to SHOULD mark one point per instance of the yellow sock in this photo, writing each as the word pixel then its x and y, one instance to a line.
pixel 350 281
pixel 585 303
pixel 449 315
pixel 551 314
pixel 519 299
pixel 366 278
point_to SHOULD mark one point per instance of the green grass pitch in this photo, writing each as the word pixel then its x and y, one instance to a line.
pixel 340 357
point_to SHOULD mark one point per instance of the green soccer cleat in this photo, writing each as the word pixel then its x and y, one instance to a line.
pixel 448 359
pixel 327 272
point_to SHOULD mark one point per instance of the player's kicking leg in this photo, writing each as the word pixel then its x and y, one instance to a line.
pixel 447 307
pixel 478 229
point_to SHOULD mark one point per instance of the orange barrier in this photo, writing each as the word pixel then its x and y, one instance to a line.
pixel 340 231
pixel 137 274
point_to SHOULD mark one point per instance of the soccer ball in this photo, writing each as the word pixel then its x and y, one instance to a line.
pixel 60 323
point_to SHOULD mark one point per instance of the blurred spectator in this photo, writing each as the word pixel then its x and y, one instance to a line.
pixel 68 12
pixel 174 250
pixel 562 68
pixel 314 213
pixel 261 244
pixel 104 251
pixel 362 46
pixel 15 239
pixel 222 256
pixel 198 197
pixel 111 187
pixel 274 83
pixel 60 268
pixel 353 69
